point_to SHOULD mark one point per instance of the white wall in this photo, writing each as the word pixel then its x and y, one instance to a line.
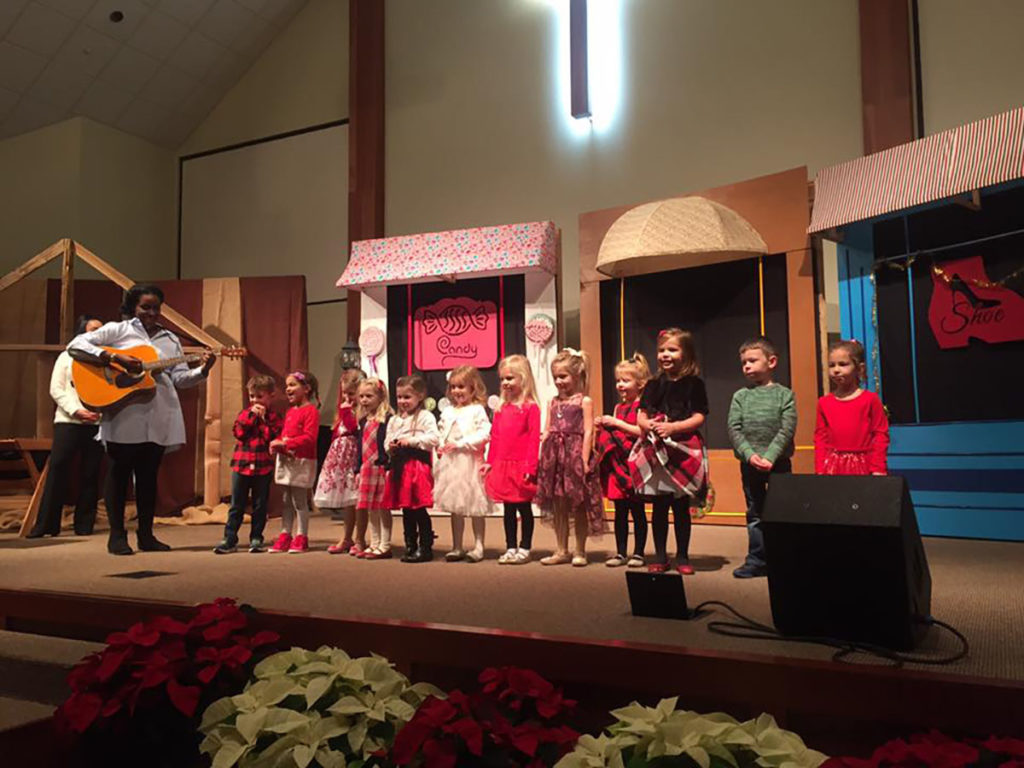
pixel 714 91
pixel 972 60
pixel 299 81
pixel 112 192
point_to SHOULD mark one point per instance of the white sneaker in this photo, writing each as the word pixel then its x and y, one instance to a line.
pixel 475 555
pixel 508 558
pixel 522 556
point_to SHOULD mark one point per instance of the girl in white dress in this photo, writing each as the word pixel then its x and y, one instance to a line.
pixel 458 483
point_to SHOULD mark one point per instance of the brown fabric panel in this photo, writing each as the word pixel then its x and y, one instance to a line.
pixel 176 483
pixel 277 340
pixel 91 297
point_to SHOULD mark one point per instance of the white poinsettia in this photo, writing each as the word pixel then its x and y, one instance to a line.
pixel 304 706
pixel 663 735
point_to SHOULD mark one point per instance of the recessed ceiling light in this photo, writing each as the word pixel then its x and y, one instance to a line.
pixel 116 16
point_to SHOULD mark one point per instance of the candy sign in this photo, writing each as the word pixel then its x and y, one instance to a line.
pixel 453 332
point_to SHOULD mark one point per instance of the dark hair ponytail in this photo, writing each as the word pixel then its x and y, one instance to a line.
pixel 83 320
pixel 136 292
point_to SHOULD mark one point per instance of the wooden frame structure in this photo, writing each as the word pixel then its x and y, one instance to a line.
pixel 67 250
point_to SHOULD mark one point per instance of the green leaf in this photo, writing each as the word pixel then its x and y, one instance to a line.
pixel 279 663
pixel 329 728
pixel 316 667
pixel 217 712
pixel 250 724
pixel 271 691
pixel 400 709
pixel 244 702
pixel 302 755
pixel 272 755
pixel 212 742
pixel 318 687
pixel 231 750
pixel 426 689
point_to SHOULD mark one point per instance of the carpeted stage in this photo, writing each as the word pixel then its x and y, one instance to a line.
pixel 978 587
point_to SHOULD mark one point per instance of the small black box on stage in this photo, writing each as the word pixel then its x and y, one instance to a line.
pixel 845 559
pixel 657 595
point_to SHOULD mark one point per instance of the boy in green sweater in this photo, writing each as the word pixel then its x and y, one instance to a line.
pixel 762 422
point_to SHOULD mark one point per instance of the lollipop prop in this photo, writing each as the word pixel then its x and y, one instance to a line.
pixel 540 330
pixel 371 341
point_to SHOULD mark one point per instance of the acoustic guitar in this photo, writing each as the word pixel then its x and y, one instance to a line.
pixel 106 388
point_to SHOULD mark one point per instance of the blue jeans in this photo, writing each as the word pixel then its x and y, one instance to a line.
pixel 241 485
pixel 755 488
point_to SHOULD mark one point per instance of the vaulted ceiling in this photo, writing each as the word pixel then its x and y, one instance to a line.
pixel 152 68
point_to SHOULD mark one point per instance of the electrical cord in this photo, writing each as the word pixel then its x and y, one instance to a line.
pixel 754 630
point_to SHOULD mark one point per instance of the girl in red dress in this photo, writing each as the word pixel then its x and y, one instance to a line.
pixel 510 474
pixel 373 412
pixel 615 438
pixel 852 432
pixel 411 439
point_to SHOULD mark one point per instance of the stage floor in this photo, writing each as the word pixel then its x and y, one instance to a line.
pixel 977 586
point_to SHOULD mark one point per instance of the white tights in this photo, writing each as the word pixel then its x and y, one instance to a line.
pixel 296 504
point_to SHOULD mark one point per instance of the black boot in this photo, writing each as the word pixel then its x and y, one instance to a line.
pixel 117 544
pixel 147 541
pixel 412 550
pixel 425 553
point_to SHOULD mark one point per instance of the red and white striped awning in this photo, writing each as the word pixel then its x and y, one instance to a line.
pixel 976 155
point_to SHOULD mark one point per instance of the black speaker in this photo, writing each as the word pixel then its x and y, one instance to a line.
pixel 657 595
pixel 845 559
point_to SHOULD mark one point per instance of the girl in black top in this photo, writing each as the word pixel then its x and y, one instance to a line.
pixel 669 461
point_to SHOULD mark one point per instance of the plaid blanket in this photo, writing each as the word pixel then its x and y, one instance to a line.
pixel 682 461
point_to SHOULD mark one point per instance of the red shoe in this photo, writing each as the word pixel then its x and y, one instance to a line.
pixel 338 549
pixel 281 544
pixel 373 554
pixel 657 567
pixel 356 551
pixel 299 545
pixel 685 569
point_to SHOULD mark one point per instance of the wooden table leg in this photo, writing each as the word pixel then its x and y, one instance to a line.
pixel 33 506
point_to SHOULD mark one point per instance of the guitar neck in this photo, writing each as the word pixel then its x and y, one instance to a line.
pixel 169 362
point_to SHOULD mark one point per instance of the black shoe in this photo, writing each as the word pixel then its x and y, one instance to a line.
pixel 748 571
pixel 35 534
pixel 411 555
pixel 153 544
pixel 119 546
pixel 226 547
pixel 83 532
pixel 423 555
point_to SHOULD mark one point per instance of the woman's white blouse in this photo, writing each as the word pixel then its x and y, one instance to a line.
pixel 154 421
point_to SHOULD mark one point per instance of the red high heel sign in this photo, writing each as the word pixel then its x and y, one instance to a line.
pixel 965 304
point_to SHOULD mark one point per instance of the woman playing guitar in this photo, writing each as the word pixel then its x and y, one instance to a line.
pixel 137 435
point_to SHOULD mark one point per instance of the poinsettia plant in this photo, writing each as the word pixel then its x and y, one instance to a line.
pixel 938 750
pixel 667 737
pixel 516 718
pixel 165 668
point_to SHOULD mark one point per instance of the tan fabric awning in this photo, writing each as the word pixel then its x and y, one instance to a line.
pixel 676 233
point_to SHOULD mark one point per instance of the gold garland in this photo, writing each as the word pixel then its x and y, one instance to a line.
pixel 1001 283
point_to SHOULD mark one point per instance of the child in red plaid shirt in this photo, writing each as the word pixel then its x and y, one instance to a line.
pixel 252 465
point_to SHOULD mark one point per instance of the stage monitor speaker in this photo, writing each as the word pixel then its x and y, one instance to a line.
pixel 657 595
pixel 845 559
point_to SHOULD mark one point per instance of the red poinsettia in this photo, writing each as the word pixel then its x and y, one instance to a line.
pixel 514 719
pixel 937 750
pixel 161 661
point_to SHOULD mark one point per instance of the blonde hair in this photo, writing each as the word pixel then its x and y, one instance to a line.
pixel 417 384
pixel 636 365
pixel 348 384
pixel 685 340
pixel 469 375
pixel 383 409
pixel 520 366
pixel 576 363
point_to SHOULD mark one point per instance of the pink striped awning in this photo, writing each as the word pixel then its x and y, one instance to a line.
pixel 976 155
pixel 459 253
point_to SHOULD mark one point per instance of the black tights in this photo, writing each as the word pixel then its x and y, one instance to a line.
pixel 624 509
pixel 127 460
pixel 680 521
pixel 525 510
pixel 419 532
